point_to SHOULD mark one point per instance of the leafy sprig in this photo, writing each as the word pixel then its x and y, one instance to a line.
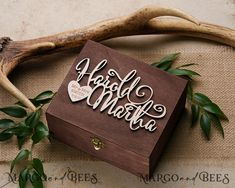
pixel 202 107
pixel 28 127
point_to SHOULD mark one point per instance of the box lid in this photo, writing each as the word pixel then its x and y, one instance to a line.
pixel 166 91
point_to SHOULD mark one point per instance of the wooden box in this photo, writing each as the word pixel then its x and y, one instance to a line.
pixel 117 108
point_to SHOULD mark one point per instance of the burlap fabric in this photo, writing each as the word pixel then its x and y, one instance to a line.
pixel 187 152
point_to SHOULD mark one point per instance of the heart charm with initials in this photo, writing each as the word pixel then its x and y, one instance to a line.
pixel 77 92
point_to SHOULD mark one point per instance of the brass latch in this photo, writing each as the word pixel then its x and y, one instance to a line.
pixel 97 143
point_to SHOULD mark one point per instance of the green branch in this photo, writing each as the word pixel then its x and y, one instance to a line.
pixel 28 127
pixel 202 107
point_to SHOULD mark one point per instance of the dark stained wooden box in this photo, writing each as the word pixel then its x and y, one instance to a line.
pixel 72 119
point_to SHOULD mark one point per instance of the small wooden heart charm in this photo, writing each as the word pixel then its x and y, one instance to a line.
pixel 77 92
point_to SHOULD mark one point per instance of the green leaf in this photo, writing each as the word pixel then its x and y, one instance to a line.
pixel 164 66
pixel 22 135
pixel 215 109
pixel 23 178
pixel 13 130
pixel 37 104
pixel 20 130
pixel 205 123
pixel 23 154
pixel 41 127
pixel 33 118
pixel 21 140
pixel 44 97
pixel 201 98
pixel 24 132
pixel 186 65
pixel 36 180
pixel 217 123
pixel 40 133
pixel 28 118
pixel 195 113
pixel 38 166
pixel 189 91
pixel 38 136
pixel 5 136
pixel 183 72
pixel 166 62
pixel 6 123
pixel 169 57
pixel 14 111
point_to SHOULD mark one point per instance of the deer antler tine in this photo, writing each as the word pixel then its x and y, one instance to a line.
pixel 181 27
pixel 149 13
pixel 6 84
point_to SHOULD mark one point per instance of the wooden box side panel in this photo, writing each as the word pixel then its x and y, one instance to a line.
pixel 167 132
pixel 112 153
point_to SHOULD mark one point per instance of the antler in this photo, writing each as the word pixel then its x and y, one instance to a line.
pixel 143 21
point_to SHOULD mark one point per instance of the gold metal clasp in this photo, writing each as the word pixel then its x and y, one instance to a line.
pixel 97 143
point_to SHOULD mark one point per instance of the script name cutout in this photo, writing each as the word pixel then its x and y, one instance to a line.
pixel 108 90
